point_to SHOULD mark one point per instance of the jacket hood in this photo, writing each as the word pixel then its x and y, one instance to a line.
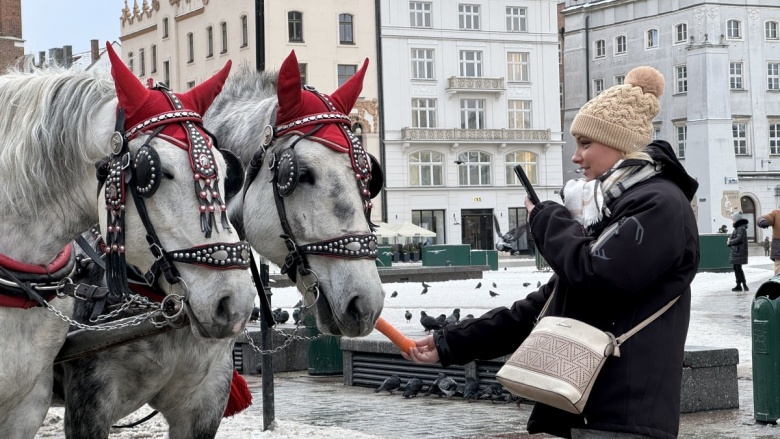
pixel 740 223
pixel 661 151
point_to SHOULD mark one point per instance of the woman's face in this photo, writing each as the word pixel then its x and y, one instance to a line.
pixel 594 158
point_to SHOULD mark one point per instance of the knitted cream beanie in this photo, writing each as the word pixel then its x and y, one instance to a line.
pixel 621 117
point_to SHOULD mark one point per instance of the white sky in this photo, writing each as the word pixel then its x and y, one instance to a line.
pixel 55 23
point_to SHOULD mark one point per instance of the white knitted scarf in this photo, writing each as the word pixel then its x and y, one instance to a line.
pixel 587 200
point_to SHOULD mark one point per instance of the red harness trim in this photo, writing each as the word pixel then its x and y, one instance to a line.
pixel 147 292
pixel 57 264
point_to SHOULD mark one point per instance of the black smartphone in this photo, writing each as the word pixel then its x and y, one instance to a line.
pixel 526 184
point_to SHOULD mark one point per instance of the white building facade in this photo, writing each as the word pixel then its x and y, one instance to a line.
pixel 469 89
pixel 721 105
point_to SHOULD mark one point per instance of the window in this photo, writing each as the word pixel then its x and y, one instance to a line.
pixel 469 17
pixel 165 27
pixel 600 49
pixel 774 138
pixel 422 64
pixel 190 48
pixel 652 39
pixel 530 166
pixel 426 168
pixel 735 76
pixel 302 68
pixel 472 114
pixel 167 73
pixel 475 170
pixel 223 29
pixel 190 84
pixel 419 14
pixel 560 94
pixel 131 62
pixel 620 79
pixel 432 220
pixel 734 29
pixel 681 33
pixel 295 27
pixel 516 19
pixel 560 53
pixel 519 114
pixel 770 30
pixel 471 63
pixel 346 35
pixel 773 76
pixel 423 113
pixel 244 31
pixel 681 79
pixel 598 86
pixel 739 134
pixel 656 133
pixel 682 136
pixel 346 71
pixel 210 44
pixel 620 45
pixel 141 62
pixel 517 67
pixel 154 58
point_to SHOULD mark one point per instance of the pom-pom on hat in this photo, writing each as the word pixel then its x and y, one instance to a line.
pixel 621 117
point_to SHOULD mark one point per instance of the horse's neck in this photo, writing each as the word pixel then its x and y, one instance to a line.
pixel 238 124
pixel 38 240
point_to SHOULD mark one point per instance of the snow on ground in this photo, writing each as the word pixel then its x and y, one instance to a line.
pixel 719 318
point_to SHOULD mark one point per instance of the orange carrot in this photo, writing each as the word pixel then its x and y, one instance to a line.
pixel 404 343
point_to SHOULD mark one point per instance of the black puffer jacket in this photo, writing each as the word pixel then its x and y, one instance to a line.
pixel 739 243
pixel 648 254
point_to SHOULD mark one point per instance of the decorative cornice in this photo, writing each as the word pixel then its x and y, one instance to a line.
pixel 139 32
pixel 138 13
pixel 372 108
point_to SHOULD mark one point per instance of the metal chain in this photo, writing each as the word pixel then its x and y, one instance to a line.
pixel 141 301
pixel 289 338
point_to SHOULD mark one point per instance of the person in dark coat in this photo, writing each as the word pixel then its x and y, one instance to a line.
pixel 738 241
pixel 624 244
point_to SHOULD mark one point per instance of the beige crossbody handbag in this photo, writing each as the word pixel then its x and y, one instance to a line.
pixel 559 361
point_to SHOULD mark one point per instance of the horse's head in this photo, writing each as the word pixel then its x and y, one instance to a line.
pixel 318 201
pixel 165 194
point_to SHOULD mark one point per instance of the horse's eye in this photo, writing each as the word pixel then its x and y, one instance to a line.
pixel 305 177
pixel 167 174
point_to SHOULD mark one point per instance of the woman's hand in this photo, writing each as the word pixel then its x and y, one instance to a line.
pixel 424 353
pixel 529 205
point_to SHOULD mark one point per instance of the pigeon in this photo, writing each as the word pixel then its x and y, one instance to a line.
pixel 525 284
pixel 425 290
pixel 454 317
pixel 428 322
pixel 408 316
pixel 479 285
pixel 442 320
pixel 448 386
pixel 255 314
pixel 491 392
pixel 280 315
pixel 390 384
pixel 504 268
pixel 299 304
pixel 395 294
pixel 468 316
pixel 470 389
pixel 493 293
pixel 413 387
pixel 297 316
pixel 494 285
pixel 425 285
pixel 538 284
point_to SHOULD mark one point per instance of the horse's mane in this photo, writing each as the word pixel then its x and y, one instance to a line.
pixel 48 124
pixel 242 109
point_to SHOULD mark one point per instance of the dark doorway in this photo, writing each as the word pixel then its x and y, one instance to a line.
pixel 477 228
pixel 518 219
pixel 749 212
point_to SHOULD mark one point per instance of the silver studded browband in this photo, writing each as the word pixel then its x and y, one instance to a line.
pixel 163 118
pixel 220 255
pixel 352 246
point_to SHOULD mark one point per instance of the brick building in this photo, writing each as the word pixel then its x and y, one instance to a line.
pixel 11 42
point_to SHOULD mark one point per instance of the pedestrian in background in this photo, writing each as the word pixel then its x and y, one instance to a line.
pixel 772 219
pixel 766 246
pixel 623 244
pixel 738 242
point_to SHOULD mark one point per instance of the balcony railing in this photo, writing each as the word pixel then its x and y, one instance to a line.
pixel 467 83
pixel 457 134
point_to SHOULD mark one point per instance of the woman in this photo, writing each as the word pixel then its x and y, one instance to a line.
pixel 738 242
pixel 623 245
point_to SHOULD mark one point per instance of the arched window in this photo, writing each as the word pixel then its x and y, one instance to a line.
pixel 223 29
pixel 474 168
pixel 681 33
pixel 734 29
pixel 244 31
pixel 190 48
pixel 295 26
pixel 141 62
pixel 346 30
pixel 528 160
pixel 210 44
pixel 130 63
pixel 771 30
pixel 426 168
pixel 620 45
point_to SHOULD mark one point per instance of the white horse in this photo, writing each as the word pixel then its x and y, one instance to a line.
pixel 186 373
pixel 308 179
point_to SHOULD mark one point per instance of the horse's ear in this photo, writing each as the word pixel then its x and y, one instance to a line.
pixel 203 95
pixel 288 89
pixel 345 96
pixel 129 90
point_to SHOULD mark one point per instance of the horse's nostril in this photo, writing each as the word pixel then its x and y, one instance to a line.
pixel 222 314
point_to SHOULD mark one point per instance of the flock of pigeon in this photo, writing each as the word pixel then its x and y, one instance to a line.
pixel 280 315
pixel 444 386
pixel 431 323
